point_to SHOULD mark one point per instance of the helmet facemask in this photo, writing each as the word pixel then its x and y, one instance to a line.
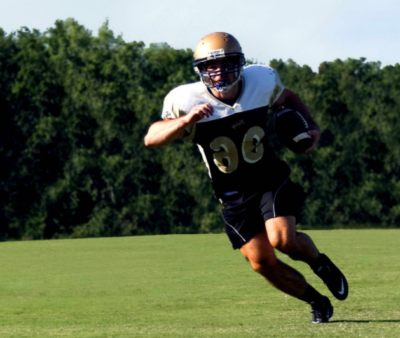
pixel 228 66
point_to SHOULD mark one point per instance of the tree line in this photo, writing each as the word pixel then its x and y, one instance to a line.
pixel 75 108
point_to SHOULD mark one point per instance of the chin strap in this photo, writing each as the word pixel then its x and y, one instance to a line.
pixel 220 85
pixel 224 87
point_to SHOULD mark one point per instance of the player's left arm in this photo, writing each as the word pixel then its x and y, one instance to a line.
pixel 290 100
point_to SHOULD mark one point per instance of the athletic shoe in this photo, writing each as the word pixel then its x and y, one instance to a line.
pixel 332 277
pixel 322 313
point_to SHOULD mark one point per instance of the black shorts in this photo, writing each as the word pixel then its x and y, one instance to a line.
pixel 245 213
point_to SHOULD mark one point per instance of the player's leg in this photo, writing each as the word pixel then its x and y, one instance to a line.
pixel 283 236
pixel 245 228
pixel 263 260
pixel 244 225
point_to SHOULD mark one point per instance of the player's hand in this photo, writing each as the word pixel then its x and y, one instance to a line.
pixel 199 112
pixel 315 135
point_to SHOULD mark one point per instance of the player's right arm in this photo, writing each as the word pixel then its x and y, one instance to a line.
pixel 163 132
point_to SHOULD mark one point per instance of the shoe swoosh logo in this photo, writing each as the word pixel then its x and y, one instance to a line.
pixel 341 292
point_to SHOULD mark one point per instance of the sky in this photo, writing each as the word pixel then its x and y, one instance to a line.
pixel 309 31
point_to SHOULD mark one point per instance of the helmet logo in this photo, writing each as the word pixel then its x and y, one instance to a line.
pixel 216 53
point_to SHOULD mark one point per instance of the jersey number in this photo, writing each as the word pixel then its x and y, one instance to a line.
pixel 227 156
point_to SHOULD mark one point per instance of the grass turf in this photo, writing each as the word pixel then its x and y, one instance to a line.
pixel 189 286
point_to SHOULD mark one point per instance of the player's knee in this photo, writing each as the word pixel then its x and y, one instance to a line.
pixel 282 243
pixel 279 240
pixel 263 266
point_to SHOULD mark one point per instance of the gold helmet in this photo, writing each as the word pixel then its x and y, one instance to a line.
pixel 219 46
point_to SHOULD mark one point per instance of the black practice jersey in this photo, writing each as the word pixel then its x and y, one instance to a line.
pixel 233 140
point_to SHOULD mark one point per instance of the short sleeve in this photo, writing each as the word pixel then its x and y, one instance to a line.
pixel 278 89
pixel 172 110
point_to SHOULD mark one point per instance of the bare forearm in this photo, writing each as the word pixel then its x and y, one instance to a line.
pixel 163 132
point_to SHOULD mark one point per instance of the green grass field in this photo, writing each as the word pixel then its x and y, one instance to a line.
pixel 189 286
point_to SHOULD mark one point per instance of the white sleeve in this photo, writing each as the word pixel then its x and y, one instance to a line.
pixel 172 110
pixel 278 89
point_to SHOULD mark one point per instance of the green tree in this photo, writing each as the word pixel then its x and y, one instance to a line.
pixel 75 108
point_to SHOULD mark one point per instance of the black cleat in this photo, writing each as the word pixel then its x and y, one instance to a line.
pixel 332 277
pixel 322 313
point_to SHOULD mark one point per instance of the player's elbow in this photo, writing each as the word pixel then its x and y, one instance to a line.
pixel 150 142
pixel 153 140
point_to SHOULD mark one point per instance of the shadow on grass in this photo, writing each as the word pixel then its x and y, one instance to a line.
pixel 364 321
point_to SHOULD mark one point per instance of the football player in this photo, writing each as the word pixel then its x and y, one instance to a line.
pixel 225 114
